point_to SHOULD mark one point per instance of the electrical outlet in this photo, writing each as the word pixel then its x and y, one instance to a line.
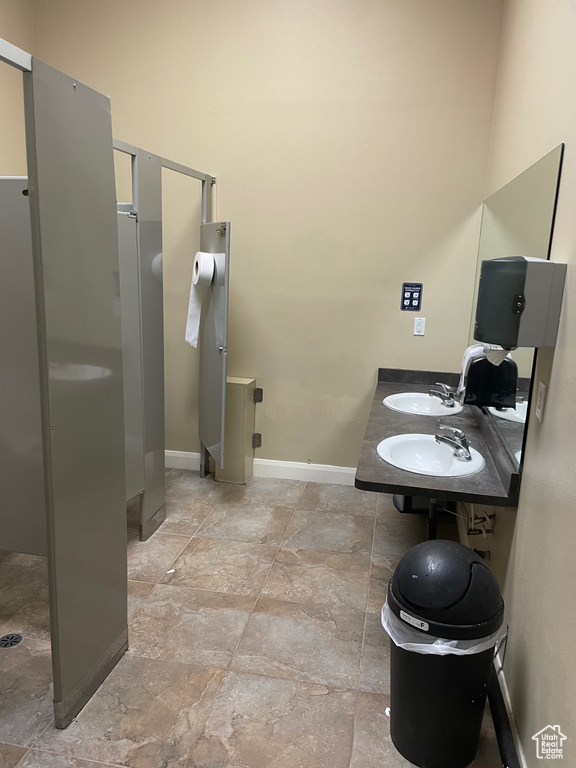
pixel 419 326
pixel 540 400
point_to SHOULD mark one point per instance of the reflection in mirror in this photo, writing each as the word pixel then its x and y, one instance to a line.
pixel 518 220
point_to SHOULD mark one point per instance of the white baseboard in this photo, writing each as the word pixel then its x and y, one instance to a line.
pixel 296 470
pixel 182 460
pixel 288 470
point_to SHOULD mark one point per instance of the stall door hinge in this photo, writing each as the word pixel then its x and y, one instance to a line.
pixel 257 440
pixel 133 215
pixel 258 394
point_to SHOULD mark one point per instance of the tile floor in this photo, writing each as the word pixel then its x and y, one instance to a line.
pixel 255 639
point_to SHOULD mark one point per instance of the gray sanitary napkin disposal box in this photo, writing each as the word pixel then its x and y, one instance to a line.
pixel 519 302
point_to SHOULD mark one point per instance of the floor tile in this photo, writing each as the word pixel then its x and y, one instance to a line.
pixel 261 722
pixel 302 642
pixel 270 491
pixel 39 759
pixel 385 507
pixel 25 691
pixel 24 603
pixel 242 522
pixel 19 558
pixel 146 714
pixel 329 531
pixel 380 575
pixel 10 573
pixel 373 747
pixel 338 498
pixel 149 560
pixel 10 755
pixel 137 592
pixel 326 578
pixel 393 538
pixel 375 668
pixel 189 625
pixel 488 755
pixel 233 567
pixel 189 501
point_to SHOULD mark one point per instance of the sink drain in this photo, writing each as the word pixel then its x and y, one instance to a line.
pixel 9 641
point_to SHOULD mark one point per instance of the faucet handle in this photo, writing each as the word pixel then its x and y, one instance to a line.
pixel 457 433
pixel 445 388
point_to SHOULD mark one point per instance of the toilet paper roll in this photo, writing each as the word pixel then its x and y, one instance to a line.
pixel 202 276
pixel 203 271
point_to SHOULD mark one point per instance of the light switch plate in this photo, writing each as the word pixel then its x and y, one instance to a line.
pixel 540 400
pixel 419 326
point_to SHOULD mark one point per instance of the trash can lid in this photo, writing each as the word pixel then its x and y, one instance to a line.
pixel 445 589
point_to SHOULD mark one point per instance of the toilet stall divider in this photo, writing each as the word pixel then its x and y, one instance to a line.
pixel 75 254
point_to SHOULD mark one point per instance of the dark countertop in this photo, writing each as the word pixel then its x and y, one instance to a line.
pixel 497 484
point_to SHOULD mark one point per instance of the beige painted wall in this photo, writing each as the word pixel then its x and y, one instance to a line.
pixel 350 144
pixel 535 111
pixel 16 26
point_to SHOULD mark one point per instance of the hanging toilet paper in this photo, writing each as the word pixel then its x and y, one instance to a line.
pixel 202 275
pixel 496 354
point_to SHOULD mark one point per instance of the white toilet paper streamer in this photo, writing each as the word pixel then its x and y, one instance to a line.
pixel 202 275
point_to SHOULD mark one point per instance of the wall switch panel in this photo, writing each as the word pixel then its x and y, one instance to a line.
pixel 419 326
pixel 411 300
pixel 540 400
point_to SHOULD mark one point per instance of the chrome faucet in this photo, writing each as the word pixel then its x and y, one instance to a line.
pixel 446 395
pixel 457 441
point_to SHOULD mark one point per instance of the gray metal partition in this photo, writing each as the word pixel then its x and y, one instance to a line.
pixel 148 205
pixel 22 505
pixel 131 352
pixel 75 243
pixel 213 343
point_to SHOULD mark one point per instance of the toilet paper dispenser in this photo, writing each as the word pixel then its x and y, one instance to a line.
pixel 519 302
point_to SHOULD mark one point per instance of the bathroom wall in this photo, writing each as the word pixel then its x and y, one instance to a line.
pixel 16 26
pixel 535 111
pixel 350 143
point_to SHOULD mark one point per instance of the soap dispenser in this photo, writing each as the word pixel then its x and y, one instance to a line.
pixel 519 302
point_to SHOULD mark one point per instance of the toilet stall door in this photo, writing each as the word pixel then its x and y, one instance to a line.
pixel 75 254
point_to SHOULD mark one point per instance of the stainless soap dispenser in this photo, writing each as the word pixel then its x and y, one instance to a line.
pixel 519 302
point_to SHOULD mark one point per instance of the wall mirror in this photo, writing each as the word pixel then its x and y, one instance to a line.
pixel 518 220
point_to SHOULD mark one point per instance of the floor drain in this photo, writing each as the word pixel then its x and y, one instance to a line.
pixel 9 641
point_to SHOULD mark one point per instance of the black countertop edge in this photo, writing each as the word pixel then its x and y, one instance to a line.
pixel 500 481
pixel 432 377
pixel 397 375
pixel 427 493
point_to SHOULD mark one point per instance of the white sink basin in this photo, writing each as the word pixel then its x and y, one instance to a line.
pixel 424 456
pixel 420 403
pixel 510 414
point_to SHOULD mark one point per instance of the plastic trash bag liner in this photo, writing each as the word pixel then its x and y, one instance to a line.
pixel 411 639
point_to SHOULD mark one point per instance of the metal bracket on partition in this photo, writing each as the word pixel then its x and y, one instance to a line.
pixel 258 394
pixel 222 229
pixel 257 440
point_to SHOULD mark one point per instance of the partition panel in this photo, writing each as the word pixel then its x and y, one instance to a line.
pixel 131 352
pixel 75 243
pixel 22 506
pixel 213 341
pixel 148 204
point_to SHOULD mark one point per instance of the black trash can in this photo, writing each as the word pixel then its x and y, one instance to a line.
pixel 438 687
